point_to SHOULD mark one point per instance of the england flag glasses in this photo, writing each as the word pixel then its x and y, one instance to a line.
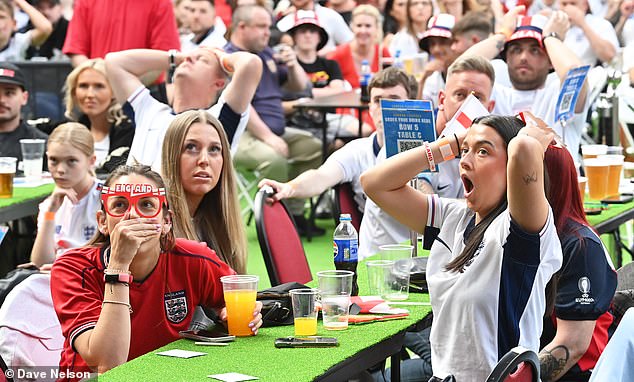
pixel 147 200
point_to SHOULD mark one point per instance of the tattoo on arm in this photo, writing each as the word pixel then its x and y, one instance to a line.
pixel 552 362
pixel 530 178
pixel 499 45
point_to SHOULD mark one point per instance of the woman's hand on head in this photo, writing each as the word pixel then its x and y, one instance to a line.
pixel 57 198
pixel 128 235
pixel 538 129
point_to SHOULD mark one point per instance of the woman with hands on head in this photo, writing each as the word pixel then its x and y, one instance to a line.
pixel 66 218
pixel 133 287
pixel 495 250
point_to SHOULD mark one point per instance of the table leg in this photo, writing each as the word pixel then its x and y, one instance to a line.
pixel 619 247
pixel 395 367
pixel 360 116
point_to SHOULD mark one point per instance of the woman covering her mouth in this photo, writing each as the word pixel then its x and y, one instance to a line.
pixel 494 251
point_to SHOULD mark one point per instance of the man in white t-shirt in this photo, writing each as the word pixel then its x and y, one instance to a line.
pixel 531 52
pixel 338 31
pixel 591 37
pixel 471 74
pixel 199 77
pixel 207 29
pixel 347 164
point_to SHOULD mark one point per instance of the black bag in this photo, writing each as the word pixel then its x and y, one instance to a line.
pixel 13 278
pixel 277 309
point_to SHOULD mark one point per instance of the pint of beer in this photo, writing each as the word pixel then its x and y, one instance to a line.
pixel 591 151
pixel 597 172
pixel 615 163
pixel 7 171
pixel 582 186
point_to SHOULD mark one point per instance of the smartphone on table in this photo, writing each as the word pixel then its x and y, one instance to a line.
pixel 306 342
pixel 213 335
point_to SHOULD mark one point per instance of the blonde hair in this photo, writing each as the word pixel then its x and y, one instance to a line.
pixel 372 11
pixel 115 113
pixel 74 134
pixel 217 218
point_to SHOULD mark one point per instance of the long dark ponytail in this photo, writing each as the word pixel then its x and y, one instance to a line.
pixel 507 128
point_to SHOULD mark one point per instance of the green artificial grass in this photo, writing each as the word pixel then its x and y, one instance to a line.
pixel 27 193
pixel 257 356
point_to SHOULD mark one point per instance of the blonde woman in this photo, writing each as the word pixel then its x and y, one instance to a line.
pixel 89 100
pixel 366 27
pixel 199 174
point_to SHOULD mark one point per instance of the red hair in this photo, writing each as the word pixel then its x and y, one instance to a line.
pixel 562 190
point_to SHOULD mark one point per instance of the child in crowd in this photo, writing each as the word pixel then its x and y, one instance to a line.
pixel 66 220
pixel 67 217
pixel 13 45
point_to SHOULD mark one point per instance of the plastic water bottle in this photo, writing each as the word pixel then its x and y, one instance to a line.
pixel 345 245
pixel 364 80
pixel 398 61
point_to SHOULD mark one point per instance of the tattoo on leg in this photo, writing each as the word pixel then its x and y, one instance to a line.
pixel 530 178
pixel 552 362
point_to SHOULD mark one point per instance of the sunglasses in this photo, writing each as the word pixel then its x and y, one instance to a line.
pixel 147 200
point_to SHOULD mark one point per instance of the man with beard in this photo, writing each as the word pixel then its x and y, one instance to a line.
pixel 534 49
pixel 13 96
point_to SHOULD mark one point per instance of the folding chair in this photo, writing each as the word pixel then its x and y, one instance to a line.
pixel 345 204
pixel 245 187
pixel 281 246
pixel 518 365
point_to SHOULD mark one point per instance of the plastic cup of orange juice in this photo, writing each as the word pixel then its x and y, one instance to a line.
pixel 304 302
pixel 240 294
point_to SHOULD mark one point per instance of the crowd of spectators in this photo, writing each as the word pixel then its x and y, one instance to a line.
pixel 174 94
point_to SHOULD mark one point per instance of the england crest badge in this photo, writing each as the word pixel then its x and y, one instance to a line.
pixel 175 306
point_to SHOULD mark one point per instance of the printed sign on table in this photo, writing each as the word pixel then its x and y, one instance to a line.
pixel 570 93
pixel 407 124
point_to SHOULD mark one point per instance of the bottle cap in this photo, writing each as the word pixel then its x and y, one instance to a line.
pixel 345 217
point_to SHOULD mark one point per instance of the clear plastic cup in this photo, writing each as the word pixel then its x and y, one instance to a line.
pixel 240 293
pixel 8 166
pixel 335 288
pixel 614 173
pixel 32 157
pixel 378 272
pixel 396 286
pixel 597 170
pixel 304 303
pixel 592 151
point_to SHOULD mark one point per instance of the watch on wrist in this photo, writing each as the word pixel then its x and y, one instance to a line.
pixel 117 278
pixel 172 65
pixel 551 34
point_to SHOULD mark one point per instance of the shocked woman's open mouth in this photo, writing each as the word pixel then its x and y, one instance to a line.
pixel 467 184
